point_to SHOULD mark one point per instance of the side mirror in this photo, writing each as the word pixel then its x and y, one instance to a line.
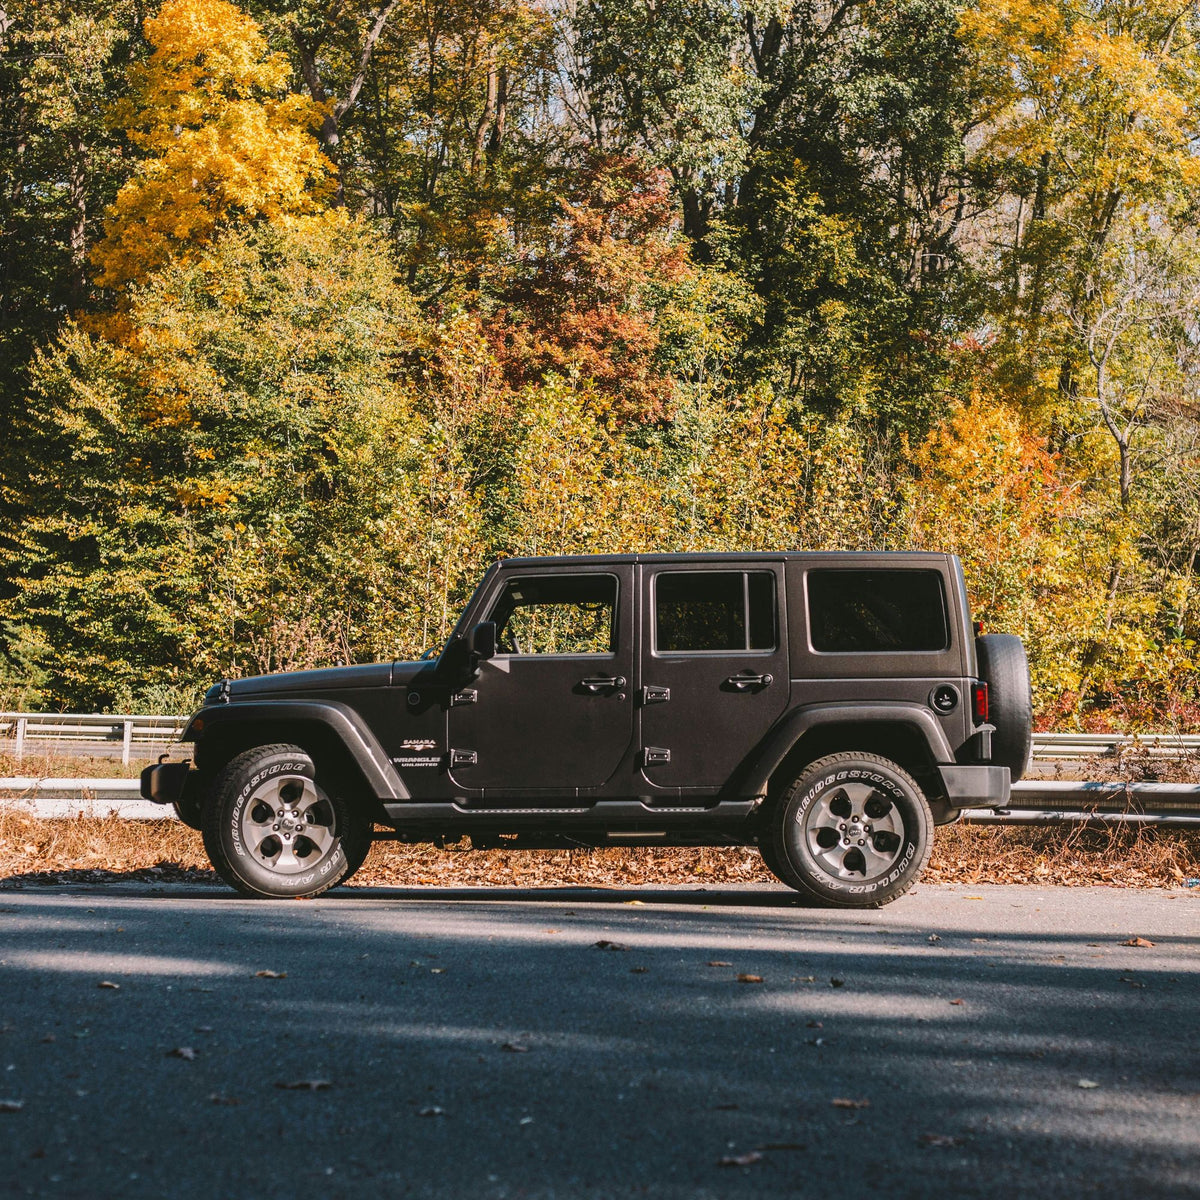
pixel 483 641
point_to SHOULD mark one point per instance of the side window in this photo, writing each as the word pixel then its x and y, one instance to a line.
pixel 707 611
pixel 877 611
pixel 556 614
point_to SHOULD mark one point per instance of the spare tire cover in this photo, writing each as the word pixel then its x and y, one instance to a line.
pixel 1005 669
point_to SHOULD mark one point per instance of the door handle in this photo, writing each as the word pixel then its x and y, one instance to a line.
pixel 742 682
pixel 602 683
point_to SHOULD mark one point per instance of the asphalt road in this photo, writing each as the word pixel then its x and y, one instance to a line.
pixel 987 1041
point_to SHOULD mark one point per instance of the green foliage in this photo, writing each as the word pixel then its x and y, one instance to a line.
pixel 605 276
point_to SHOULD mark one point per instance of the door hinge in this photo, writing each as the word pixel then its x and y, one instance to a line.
pixel 653 694
pixel 464 758
pixel 655 754
pixel 466 696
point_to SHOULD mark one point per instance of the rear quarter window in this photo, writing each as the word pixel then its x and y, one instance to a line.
pixel 877 612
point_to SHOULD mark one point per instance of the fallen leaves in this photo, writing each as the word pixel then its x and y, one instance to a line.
pixel 1138 941
pixel 745 978
pixel 940 1140
pixel 605 944
pixel 638 970
pixel 270 974
pixel 11 1106
pixel 184 1052
pixel 305 1085
pixel 837 982
pixel 843 1102
pixel 108 983
pixel 718 962
pixel 515 1047
pixel 1087 1084
pixel 219 1098
pixel 958 1002
pixel 740 1160
pixel 432 1110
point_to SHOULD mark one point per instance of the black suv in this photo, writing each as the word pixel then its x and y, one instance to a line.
pixel 829 708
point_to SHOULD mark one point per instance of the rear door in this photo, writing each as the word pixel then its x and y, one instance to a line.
pixel 714 668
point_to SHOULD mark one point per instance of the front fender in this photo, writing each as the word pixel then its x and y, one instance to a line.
pixel 795 724
pixel 340 719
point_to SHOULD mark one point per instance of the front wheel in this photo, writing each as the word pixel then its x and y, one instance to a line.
pixel 272 830
pixel 853 831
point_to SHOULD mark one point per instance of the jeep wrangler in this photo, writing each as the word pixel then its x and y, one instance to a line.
pixel 829 708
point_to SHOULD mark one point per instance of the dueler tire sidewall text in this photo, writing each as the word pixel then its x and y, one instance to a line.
pixel 801 869
pixel 234 788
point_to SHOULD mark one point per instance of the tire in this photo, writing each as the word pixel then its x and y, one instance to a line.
pixel 766 850
pixel 272 830
pixel 1005 669
pixel 813 830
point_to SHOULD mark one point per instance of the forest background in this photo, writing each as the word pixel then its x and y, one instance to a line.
pixel 311 308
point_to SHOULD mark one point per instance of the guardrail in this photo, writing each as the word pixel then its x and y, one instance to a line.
pixel 103 734
pixel 1037 802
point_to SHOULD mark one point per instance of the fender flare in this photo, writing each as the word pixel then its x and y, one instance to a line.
pixel 779 742
pixel 340 719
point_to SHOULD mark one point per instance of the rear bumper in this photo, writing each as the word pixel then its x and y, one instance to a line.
pixel 976 786
pixel 165 782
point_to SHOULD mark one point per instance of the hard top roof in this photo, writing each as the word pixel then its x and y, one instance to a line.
pixel 839 556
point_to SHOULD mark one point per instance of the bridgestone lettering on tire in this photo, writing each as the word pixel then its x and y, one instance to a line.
pixel 854 830
pixel 272 829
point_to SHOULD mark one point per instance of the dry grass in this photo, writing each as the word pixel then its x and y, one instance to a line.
pixel 98 849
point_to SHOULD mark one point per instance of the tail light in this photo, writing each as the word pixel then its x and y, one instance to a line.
pixel 979 702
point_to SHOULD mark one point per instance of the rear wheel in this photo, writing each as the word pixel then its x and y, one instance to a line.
pixel 854 830
pixel 272 829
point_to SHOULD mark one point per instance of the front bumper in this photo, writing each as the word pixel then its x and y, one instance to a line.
pixel 166 782
pixel 969 786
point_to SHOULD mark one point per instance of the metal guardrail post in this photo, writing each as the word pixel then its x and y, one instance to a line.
pixel 127 738
pixel 20 739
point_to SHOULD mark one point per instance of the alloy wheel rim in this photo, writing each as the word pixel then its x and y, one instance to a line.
pixel 288 825
pixel 854 832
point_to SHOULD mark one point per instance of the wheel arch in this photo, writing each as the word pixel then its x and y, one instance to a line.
pixel 331 734
pixel 906 735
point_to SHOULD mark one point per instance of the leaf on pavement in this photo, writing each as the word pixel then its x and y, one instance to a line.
pixel 1088 1083
pixel 717 962
pixel 842 1102
pixel 305 1085
pixel 434 1110
pixel 749 979
pixel 605 944
pixel 638 970
pixel 933 937
pixel 939 1139
pixel 836 982
pixel 515 1047
pixel 11 1105
pixel 184 1052
pixel 958 1002
pixel 270 974
pixel 228 1101
pixel 1138 941
pixel 740 1160
pixel 108 983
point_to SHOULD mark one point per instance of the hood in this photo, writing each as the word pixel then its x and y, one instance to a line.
pixel 329 679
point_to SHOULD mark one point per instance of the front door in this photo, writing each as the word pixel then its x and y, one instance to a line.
pixel 714 669
pixel 554 709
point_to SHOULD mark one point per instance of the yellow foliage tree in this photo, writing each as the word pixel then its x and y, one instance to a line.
pixel 224 140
